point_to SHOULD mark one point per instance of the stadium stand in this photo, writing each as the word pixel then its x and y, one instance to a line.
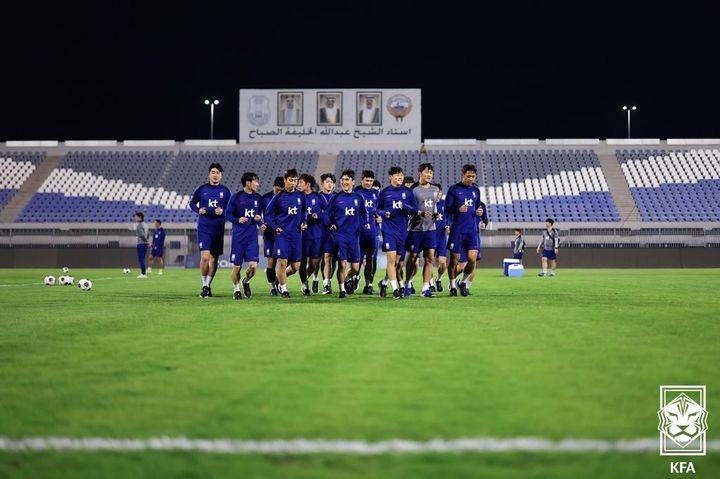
pixel 680 185
pixel 15 169
pixel 529 186
pixel 110 186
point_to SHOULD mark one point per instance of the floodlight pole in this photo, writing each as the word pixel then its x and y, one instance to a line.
pixel 212 115
pixel 629 109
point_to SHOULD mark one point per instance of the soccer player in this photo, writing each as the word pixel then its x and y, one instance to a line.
pixel 369 238
pixel 269 237
pixel 441 240
pixel 462 207
pixel 395 203
pixel 243 212
pixel 422 237
pixel 312 236
pixel 285 215
pixel 347 217
pixel 518 244
pixel 209 202
pixel 550 243
pixel 141 230
pixel 158 248
pixel 327 264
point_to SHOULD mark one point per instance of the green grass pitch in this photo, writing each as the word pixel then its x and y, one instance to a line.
pixel 581 355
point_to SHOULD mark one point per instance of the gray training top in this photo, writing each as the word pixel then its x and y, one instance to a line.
pixel 519 244
pixel 427 201
pixel 142 233
pixel 551 239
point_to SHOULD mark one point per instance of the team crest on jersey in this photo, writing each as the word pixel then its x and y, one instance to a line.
pixel 255 202
pixel 221 194
pixel 355 202
pixel 313 200
pixel 403 196
pixel 298 200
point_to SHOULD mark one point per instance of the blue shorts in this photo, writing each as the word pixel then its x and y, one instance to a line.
pixel 311 248
pixel 327 245
pixel 441 244
pixel 463 242
pixel 269 246
pixel 288 247
pixel 368 241
pixel 517 255
pixel 347 249
pixel 211 242
pixel 549 254
pixel 394 242
pixel 418 241
pixel 157 252
pixel 244 250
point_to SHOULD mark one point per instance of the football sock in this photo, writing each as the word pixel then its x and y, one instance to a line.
pixel 393 284
pixel 452 283
pixel 236 287
pixel 426 286
pixel 342 286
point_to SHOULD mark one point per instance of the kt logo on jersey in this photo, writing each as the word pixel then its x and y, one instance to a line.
pixel 683 421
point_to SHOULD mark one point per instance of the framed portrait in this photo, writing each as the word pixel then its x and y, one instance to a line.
pixel 290 108
pixel 329 108
pixel 369 108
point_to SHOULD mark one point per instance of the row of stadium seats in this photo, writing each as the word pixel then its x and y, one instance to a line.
pixel 517 185
pixel 673 185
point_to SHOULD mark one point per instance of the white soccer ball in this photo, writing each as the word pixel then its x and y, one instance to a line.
pixel 85 284
pixel 69 280
pixel 126 270
pixel 65 270
pixel 49 280
pixel 62 280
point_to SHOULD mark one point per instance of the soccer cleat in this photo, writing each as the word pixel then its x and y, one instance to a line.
pixel 453 291
pixel 247 290
pixel 305 292
pixel 273 292
pixel 408 292
pixel 438 286
pixel 327 290
pixel 204 292
pixel 383 289
pixel 315 287
pixel 237 295
pixel 142 276
pixel 463 289
pixel 285 295
pixel 412 289
pixel 209 292
pixel 160 273
pixel 541 274
pixel 552 274
pixel 397 294
pixel 343 294
pixel 428 294
pixel 368 289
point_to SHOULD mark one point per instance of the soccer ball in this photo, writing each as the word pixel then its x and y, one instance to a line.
pixel 85 284
pixel 49 280
pixel 62 280
pixel 66 280
pixel 126 270
pixel 65 270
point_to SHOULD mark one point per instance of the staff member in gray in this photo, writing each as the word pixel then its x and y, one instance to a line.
pixel 421 234
pixel 550 243
pixel 143 241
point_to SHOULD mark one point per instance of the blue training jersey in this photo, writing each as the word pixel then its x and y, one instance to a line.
pixel 268 234
pixel 371 198
pixel 287 211
pixel 210 197
pixel 400 202
pixel 460 195
pixel 158 240
pixel 245 205
pixel 326 197
pixel 314 206
pixel 441 222
pixel 347 212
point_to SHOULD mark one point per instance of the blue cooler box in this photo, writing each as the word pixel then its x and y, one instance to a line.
pixel 516 270
pixel 507 262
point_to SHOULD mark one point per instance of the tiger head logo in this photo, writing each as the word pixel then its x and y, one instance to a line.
pixel 682 420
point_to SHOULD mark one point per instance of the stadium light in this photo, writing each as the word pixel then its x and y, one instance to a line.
pixel 212 115
pixel 629 109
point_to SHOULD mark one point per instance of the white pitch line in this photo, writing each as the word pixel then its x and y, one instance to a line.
pixel 338 446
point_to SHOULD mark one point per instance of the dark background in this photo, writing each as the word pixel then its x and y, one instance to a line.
pixel 131 70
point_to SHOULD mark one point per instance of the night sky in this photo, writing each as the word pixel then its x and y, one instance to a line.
pixel 125 70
